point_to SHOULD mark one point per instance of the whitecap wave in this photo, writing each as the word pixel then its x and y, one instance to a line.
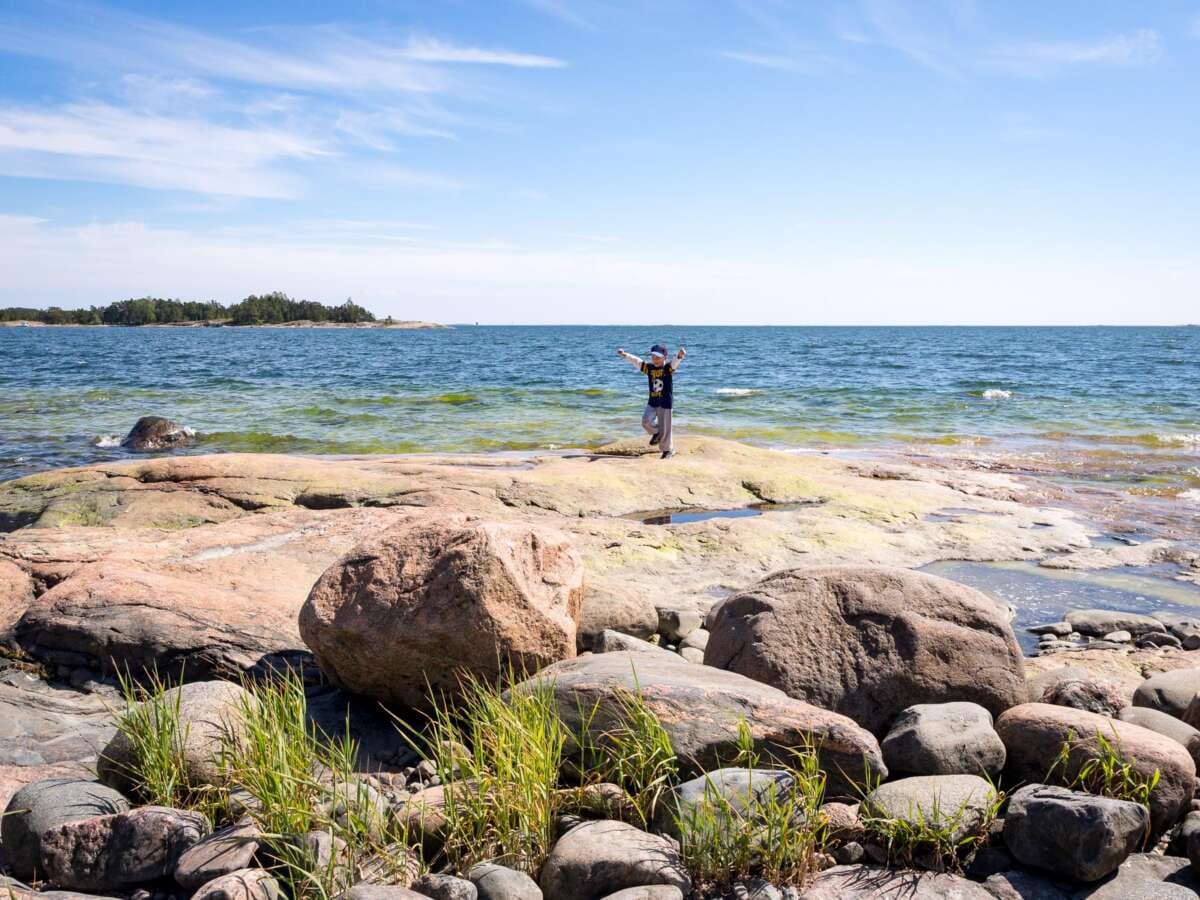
pixel 107 440
pixel 1176 439
pixel 738 392
pixel 996 394
pixel 1192 496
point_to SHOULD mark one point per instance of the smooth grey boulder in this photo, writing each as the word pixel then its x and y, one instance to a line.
pixel 229 850
pixel 614 608
pixel 1072 834
pixel 42 805
pixel 1099 622
pixel 702 709
pixel 609 641
pixel 445 887
pixel 241 884
pixel 601 857
pixel 692 655
pixel 369 891
pixel 943 739
pixel 1189 837
pixel 870 641
pixel 958 801
pixel 720 795
pixel 1168 692
pixel 676 623
pixel 122 850
pixel 859 882
pixel 1018 884
pixel 648 892
pixel 696 640
pixel 1166 725
pixel 502 883
pixel 209 712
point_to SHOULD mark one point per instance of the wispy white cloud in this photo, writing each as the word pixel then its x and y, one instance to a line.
pixel 99 142
pixel 564 10
pixel 763 60
pixel 1136 48
pixel 436 51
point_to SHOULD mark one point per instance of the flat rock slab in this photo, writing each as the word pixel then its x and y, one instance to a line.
pixel 701 708
pixel 1099 622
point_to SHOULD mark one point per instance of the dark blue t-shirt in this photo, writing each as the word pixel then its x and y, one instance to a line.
pixel 659 378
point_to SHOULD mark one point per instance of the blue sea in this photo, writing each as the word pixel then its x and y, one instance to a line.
pixel 1117 405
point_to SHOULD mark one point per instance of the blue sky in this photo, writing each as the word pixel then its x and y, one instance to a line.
pixel 716 161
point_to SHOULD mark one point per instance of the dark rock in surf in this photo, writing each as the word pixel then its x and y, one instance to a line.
pixel 151 433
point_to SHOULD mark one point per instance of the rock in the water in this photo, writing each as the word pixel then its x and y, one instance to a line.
pixel 1169 692
pixel 615 608
pixel 208 711
pixel 150 433
pixel 221 853
pixel 959 802
pixel 870 883
pixel 1099 622
pixel 445 887
pixel 1166 725
pixel 501 883
pixel 599 858
pixel 721 797
pixel 1070 833
pixel 1057 629
pixel 121 615
pixel 701 708
pixel 943 739
pixel 430 600
pixel 1079 689
pixel 243 884
pixel 1034 735
pixel 609 641
pixel 122 850
pixel 43 805
pixel 870 641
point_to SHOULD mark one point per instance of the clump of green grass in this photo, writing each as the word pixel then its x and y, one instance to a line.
pixel 155 735
pixel 635 753
pixel 499 756
pixel 1105 771
pixel 775 834
pixel 931 839
pixel 302 780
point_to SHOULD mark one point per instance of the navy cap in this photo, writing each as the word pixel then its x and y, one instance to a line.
pixel 659 349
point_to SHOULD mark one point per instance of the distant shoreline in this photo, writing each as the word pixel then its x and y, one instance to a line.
pixel 404 325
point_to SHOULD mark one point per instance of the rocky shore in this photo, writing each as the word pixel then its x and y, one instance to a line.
pixel 856 728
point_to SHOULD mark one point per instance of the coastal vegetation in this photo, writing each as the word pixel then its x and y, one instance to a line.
pixel 274 308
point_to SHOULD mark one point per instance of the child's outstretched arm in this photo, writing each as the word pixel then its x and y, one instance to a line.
pixel 678 359
pixel 635 361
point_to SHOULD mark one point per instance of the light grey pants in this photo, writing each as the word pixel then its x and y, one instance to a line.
pixel 658 421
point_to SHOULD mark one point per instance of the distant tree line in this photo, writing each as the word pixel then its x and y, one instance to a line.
pixel 265 309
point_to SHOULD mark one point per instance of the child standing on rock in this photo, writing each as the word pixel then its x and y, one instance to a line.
pixel 657 417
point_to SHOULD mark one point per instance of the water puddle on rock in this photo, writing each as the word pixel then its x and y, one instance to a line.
pixel 1042 595
pixel 684 516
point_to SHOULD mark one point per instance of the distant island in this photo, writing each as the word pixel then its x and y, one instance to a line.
pixel 274 309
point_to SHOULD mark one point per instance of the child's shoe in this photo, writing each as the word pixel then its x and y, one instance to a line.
pixel 654 439
pixel 667 454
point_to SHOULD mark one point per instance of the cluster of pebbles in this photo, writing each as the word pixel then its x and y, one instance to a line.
pixel 1102 629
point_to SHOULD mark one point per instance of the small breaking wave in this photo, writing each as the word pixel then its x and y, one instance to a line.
pixel 106 440
pixel 1192 496
pixel 1178 439
pixel 737 392
pixel 996 394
